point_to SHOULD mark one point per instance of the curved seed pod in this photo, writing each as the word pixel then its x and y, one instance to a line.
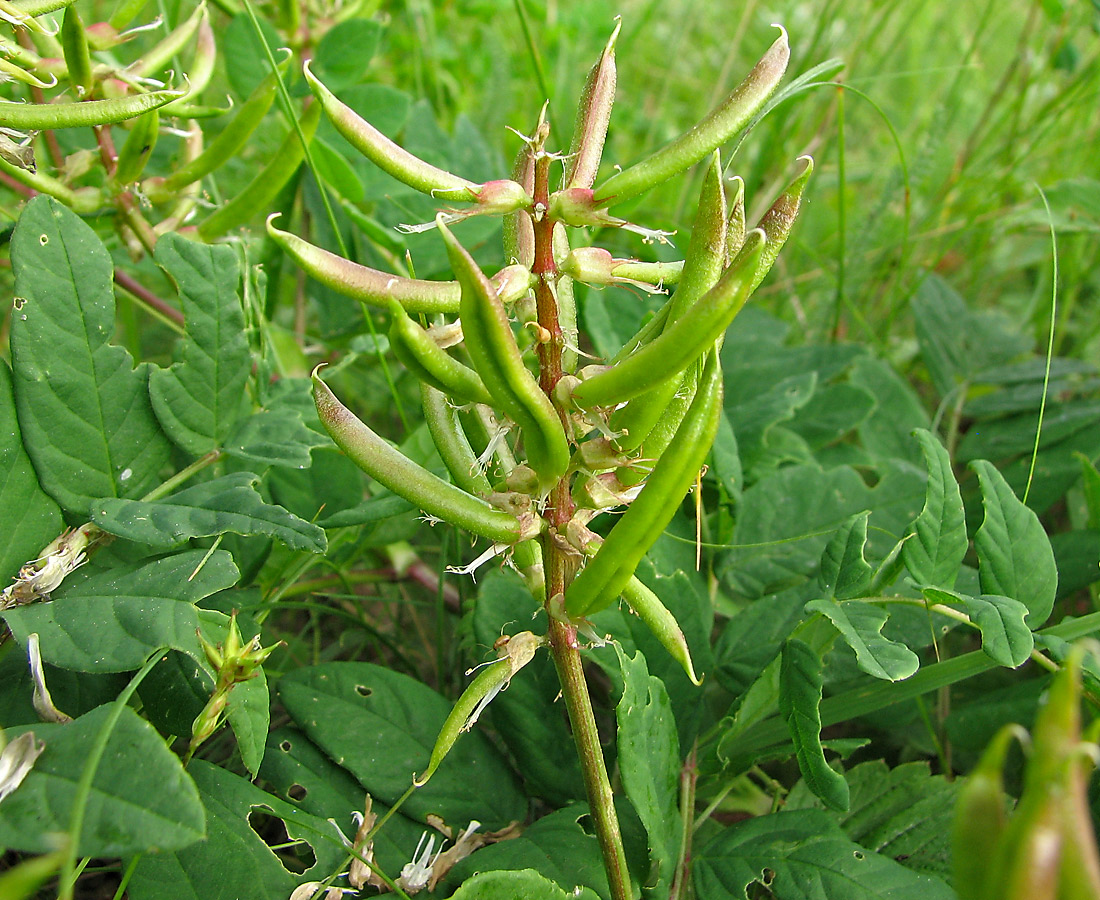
pixel 394 470
pixel 661 434
pixel 387 155
pixel 431 363
pixel 649 608
pixel 13 71
pixel 608 573
pixel 138 148
pixel 260 192
pixel 202 66
pixel 43 116
pixel 161 55
pixel 515 654
pixel 777 222
pixel 682 341
pixel 41 7
pixel 648 331
pixel 74 43
pixel 981 818
pixel 452 444
pixel 364 283
pixel 593 114
pixel 734 113
pixel 735 225
pixel 496 358
pixel 226 144
pixel 519 230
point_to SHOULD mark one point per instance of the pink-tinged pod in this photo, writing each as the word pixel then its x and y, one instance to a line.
pixel 519 229
pixel 392 469
pixel 494 197
pixel 593 116
pixel 169 47
pixel 734 113
pixel 778 221
pixel 202 65
pixel 594 265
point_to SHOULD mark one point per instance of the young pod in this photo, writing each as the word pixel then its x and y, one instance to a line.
pixel 496 358
pixel 452 443
pixel 593 116
pixel 732 115
pixel 392 469
pixel 74 43
pixel 260 193
pixel 135 153
pixel 45 116
pixel 777 222
pixel 516 652
pixel 682 341
pixel 608 573
pixel 169 47
pixel 648 607
pixel 202 66
pixel 431 363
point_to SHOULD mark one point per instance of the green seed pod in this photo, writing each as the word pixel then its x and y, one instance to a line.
pixel 516 652
pixel 44 116
pixel 74 42
pixel 261 191
pixel 735 225
pixel 228 142
pixel 431 363
pixel 981 818
pixel 734 113
pixel 649 608
pixel 202 66
pixel 496 358
pixel 394 470
pixel 169 47
pixel 451 442
pixel 139 145
pixel 608 573
pixel 593 115
pixel 682 341
pixel 777 222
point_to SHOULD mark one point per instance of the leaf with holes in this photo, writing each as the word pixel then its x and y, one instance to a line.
pixel 803 855
pixel 226 504
pixel 31 519
pixel 381 726
pixel 235 862
pixel 141 798
pixel 84 409
pixel 800 683
pixel 1014 554
pixel 860 625
pixel 938 544
pixel 1006 639
pixel 110 621
pixel 198 399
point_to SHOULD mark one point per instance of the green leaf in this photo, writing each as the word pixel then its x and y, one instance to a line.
pixel 898 410
pixel 141 799
pixel 248 711
pixel 111 621
pixel 381 726
pixel 1006 639
pixel 226 504
pixel 525 884
pixel 198 399
pixel 84 410
pixel 831 413
pixel 845 572
pixel 803 855
pixel 860 625
pixel 277 437
pixel 649 760
pixel 234 862
pixel 799 701
pixel 1090 486
pixel 558 846
pixel 345 51
pixel 239 43
pixel 1014 555
pixel 31 519
pixel 936 550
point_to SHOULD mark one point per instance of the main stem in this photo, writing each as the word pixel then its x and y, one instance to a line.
pixel 559 565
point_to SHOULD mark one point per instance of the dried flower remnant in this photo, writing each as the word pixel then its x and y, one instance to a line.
pixel 16 761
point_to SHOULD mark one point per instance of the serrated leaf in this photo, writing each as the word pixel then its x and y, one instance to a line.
pixel 803 855
pixel 84 409
pixel 381 726
pixel 198 399
pixel 1014 554
pixel 800 684
pixel 936 550
pixel 277 437
pixel 248 712
pixel 226 504
pixel 525 884
pixel 31 519
pixel 141 798
pixel 234 862
pixel 111 621
pixel 649 760
pixel 860 625
pixel 845 572
pixel 1006 639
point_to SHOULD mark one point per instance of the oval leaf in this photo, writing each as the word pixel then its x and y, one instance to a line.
pixel 936 550
pixel 859 624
